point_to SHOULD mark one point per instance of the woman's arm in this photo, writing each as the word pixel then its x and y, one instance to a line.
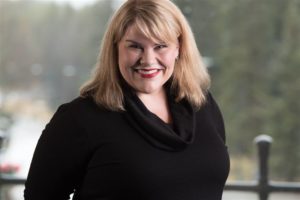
pixel 58 161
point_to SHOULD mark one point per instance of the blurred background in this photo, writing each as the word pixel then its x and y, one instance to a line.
pixel 251 47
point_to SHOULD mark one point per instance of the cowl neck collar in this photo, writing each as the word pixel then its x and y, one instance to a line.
pixel 159 134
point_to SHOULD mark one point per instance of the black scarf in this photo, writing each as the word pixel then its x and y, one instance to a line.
pixel 156 131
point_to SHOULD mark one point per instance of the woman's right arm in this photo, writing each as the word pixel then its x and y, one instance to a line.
pixel 59 158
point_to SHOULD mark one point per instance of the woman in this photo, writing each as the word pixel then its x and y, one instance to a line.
pixel 145 126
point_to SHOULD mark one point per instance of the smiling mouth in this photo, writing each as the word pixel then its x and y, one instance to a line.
pixel 147 73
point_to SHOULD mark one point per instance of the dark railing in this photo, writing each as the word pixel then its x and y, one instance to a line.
pixel 262 186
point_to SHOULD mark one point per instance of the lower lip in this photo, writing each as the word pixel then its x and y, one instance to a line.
pixel 150 75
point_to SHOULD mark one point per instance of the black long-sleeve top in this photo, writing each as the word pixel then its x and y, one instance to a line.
pixel 106 155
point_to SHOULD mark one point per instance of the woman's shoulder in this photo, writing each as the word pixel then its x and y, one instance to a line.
pixel 75 108
pixel 82 109
pixel 210 109
pixel 71 107
pixel 77 103
pixel 210 101
pixel 215 114
pixel 80 105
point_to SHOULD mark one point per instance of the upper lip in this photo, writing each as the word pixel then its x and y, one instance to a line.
pixel 148 67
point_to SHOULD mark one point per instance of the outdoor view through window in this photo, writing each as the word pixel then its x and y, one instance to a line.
pixel 250 47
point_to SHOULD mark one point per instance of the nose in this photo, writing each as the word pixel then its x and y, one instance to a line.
pixel 148 57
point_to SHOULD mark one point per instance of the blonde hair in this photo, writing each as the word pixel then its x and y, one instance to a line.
pixel 158 20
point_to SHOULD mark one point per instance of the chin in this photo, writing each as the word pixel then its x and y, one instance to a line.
pixel 148 90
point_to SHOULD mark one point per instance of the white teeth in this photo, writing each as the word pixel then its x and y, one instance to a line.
pixel 147 71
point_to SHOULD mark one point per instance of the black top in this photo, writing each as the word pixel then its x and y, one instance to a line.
pixel 106 155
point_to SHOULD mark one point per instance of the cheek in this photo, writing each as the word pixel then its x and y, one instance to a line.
pixel 126 61
pixel 127 58
pixel 122 62
pixel 170 59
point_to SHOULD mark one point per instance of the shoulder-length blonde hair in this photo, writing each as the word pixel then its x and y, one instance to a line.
pixel 158 20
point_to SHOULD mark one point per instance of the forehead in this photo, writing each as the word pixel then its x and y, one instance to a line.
pixel 132 31
pixel 137 33
pixel 133 34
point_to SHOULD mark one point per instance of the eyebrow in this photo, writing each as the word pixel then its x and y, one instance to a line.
pixel 132 41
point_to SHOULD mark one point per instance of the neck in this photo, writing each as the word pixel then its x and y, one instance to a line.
pixel 157 103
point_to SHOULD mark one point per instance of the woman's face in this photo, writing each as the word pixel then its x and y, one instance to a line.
pixel 144 64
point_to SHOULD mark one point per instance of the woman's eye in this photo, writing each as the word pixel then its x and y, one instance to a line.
pixel 161 46
pixel 134 46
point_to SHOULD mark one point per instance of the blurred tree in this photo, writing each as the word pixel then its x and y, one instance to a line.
pixel 259 68
pixel 53 44
pixel 255 48
pixel 284 91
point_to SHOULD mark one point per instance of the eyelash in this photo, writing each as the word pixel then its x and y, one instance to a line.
pixel 135 46
pixel 160 46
